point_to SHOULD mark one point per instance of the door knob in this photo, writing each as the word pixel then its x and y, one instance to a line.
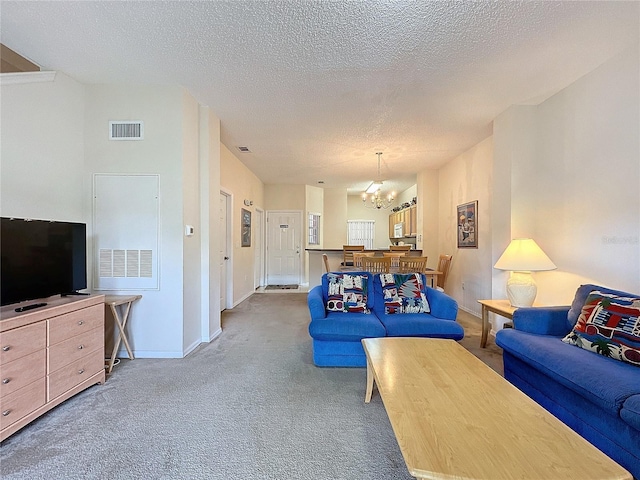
pixel 226 258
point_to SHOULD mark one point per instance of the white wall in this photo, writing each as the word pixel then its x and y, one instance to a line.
pixel 156 324
pixel 466 178
pixel 209 154
pixel 236 178
pixel 575 187
pixel 428 210
pixel 357 211
pixel 335 221
pixel 42 150
pixel 191 263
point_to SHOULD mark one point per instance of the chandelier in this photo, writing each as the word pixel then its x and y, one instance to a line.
pixel 376 200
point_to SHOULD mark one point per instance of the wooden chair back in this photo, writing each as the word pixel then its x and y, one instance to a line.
pixel 444 263
pixel 376 264
pixel 399 248
pixel 395 257
pixel 347 254
pixel 325 259
pixel 357 258
pixel 413 264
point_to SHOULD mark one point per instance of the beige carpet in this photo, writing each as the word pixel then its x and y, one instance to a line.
pixel 249 405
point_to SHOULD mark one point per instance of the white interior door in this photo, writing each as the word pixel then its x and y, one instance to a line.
pixel 284 240
pixel 224 249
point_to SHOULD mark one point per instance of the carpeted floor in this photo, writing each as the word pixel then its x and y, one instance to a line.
pixel 249 405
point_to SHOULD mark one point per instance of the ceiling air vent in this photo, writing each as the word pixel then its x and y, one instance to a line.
pixel 126 130
pixel 244 149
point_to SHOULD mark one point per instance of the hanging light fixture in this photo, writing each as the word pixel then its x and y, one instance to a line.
pixel 372 198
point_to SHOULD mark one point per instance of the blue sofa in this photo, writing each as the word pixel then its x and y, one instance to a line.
pixel 596 396
pixel 336 336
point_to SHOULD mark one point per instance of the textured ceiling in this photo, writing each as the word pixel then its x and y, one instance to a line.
pixel 315 88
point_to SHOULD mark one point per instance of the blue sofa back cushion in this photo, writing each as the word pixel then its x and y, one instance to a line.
pixel 581 297
pixel 325 286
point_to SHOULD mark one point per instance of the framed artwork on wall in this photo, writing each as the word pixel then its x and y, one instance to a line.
pixel 467 219
pixel 246 228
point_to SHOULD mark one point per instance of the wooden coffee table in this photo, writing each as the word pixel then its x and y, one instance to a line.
pixel 454 417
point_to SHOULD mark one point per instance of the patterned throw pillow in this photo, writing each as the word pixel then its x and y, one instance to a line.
pixel 403 293
pixel 609 325
pixel 347 293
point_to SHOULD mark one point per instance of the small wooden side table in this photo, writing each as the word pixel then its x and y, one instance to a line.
pixel 499 307
pixel 115 301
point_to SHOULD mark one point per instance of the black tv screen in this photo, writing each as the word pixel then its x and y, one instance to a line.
pixel 41 258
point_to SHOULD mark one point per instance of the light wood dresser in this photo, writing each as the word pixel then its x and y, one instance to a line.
pixel 47 355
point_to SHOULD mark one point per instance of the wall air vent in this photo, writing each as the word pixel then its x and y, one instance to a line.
pixel 126 130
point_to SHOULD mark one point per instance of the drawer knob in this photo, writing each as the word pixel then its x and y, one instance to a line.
pixel 6 380
pixel 6 348
pixel 80 322
pixel 6 413
pixel 80 347
pixel 81 371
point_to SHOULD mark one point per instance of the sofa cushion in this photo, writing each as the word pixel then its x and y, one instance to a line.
pixel 403 293
pixel 421 325
pixel 351 327
pixel 630 412
pixel 347 292
pixel 609 325
pixel 599 379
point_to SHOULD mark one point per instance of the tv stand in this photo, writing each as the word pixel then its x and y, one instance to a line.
pixel 71 294
pixel 48 355
pixel 30 307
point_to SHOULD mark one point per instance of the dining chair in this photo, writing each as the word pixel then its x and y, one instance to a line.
pixel 395 257
pixel 376 264
pixel 412 264
pixel 357 258
pixel 444 263
pixel 325 259
pixel 347 255
pixel 399 248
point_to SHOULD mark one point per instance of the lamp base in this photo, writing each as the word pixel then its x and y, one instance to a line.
pixel 521 289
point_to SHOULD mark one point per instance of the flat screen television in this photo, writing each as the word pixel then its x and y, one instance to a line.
pixel 41 258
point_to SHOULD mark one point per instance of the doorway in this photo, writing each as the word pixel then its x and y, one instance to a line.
pixel 258 274
pixel 284 247
pixel 224 258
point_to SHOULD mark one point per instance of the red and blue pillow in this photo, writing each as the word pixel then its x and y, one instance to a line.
pixel 403 293
pixel 347 293
pixel 609 325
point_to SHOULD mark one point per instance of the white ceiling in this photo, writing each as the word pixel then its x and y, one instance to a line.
pixel 315 88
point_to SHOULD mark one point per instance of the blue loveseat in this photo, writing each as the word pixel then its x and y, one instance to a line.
pixel 336 335
pixel 596 396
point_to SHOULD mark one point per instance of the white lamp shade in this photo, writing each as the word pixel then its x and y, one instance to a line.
pixel 524 255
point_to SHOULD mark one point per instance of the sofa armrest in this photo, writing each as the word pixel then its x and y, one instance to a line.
pixel 442 305
pixel 316 303
pixel 542 320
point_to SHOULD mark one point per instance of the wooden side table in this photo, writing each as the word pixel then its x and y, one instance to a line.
pixel 499 307
pixel 115 301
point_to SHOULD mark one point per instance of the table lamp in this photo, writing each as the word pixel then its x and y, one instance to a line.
pixel 523 256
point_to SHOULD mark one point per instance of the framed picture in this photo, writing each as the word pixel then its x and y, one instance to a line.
pixel 467 219
pixel 246 228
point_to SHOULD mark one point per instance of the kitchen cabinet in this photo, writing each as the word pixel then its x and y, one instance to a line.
pixel 408 217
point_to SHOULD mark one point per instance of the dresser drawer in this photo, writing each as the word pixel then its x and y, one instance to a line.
pixel 22 341
pixel 74 323
pixel 23 371
pixel 77 372
pixel 21 402
pixel 75 348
